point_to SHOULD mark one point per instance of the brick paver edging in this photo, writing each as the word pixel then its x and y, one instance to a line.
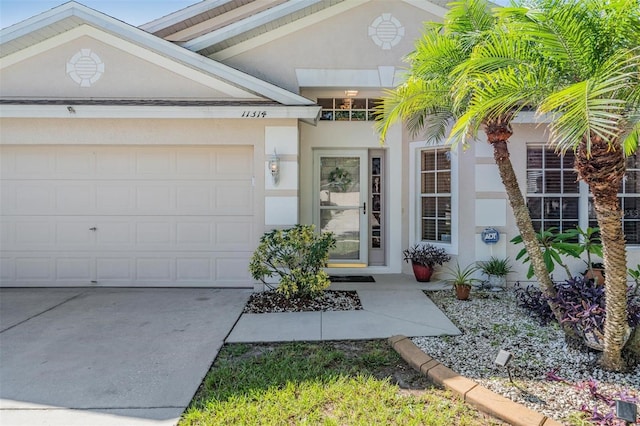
pixel 468 390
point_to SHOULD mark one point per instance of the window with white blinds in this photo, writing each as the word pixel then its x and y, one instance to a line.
pixel 435 195
pixel 556 199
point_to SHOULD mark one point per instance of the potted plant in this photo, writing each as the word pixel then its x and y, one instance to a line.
pixel 595 272
pixel 424 258
pixel 462 279
pixel 496 270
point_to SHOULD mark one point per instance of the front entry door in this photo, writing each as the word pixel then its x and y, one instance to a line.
pixel 341 204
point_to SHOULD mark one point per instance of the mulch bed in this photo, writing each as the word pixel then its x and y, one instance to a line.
pixel 331 300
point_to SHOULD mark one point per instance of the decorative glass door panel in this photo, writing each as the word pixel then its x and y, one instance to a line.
pixel 342 206
pixel 376 211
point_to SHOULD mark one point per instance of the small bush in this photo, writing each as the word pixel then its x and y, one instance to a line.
pixel 297 256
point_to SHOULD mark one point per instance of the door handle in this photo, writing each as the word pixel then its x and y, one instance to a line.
pixel 364 208
pixel 93 229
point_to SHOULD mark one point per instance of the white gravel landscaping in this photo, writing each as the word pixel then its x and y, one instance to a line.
pixel 548 376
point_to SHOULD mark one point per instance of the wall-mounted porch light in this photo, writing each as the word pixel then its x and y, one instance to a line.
pixel 274 167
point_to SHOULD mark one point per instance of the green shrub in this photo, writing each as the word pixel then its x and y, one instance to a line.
pixel 295 255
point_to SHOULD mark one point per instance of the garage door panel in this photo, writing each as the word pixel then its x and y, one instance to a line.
pixel 114 163
pixel 155 269
pixel 126 198
pixel 194 234
pixel 34 233
pixel 74 198
pixel 193 268
pixel 75 163
pixel 154 197
pixel 232 270
pixel 155 234
pixel 142 216
pixel 234 234
pixel 6 269
pixel 157 162
pixel 116 198
pixel 195 198
pixel 27 197
pixel 114 232
pixel 115 269
pixel 73 233
pixel 233 163
pixel 233 198
pixel 29 162
pixel 194 162
pixel 33 268
pixel 73 268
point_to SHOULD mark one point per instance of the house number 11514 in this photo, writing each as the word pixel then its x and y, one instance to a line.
pixel 254 114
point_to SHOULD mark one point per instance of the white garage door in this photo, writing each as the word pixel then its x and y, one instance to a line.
pixel 130 216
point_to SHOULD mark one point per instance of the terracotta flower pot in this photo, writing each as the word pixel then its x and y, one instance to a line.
pixel 422 272
pixel 462 292
pixel 598 275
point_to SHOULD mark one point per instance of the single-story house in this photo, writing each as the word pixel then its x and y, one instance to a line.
pixel 158 155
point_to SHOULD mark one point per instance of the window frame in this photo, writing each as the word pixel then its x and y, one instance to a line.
pixel 415 200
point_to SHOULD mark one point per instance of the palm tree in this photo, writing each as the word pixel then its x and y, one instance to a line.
pixel 592 50
pixel 438 90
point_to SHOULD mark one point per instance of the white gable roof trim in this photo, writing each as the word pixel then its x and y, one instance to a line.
pixel 182 15
pixel 38 28
pixel 247 24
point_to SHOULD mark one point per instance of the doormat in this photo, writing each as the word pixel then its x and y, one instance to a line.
pixel 351 279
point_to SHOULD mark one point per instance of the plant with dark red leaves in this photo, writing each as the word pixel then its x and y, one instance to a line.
pixel 581 301
pixel 533 300
pixel 552 376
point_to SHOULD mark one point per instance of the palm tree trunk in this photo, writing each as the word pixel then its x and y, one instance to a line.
pixel 603 169
pixel 498 133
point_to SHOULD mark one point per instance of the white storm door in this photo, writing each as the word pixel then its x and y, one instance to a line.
pixel 340 179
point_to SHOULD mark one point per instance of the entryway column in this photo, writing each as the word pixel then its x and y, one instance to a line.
pixel 281 201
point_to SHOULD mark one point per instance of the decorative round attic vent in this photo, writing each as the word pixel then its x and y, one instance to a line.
pixel 85 67
pixel 386 31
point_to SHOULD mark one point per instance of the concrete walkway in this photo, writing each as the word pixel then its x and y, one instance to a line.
pixel 394 304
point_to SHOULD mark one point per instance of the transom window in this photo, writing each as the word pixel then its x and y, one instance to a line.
pixel 556 199
pixel 435 195
pixel 348 109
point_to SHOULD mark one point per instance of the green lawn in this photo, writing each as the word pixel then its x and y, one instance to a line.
pixel 331 383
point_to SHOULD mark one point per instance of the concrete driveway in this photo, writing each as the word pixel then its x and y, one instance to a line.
pixel 108 356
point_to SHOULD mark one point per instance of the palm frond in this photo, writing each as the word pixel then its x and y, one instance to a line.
pixel 598 106
pixel 557 30
pixel 412 101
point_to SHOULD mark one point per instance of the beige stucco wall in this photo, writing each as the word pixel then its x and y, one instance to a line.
pixel 125 76
pixel 339 43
